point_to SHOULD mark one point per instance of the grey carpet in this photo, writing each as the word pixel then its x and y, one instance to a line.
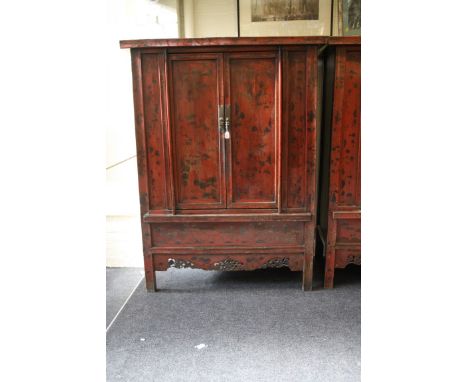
pixel 258 326
pixel 119 284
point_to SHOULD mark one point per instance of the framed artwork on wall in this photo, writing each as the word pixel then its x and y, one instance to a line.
pixel 284 18
pixel 349 17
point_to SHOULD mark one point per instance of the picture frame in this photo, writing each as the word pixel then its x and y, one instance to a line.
pixel 284 18
pixel 349 17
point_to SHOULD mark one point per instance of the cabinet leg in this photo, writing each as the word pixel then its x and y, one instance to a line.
pixel 329 268
pixel 307 273
pixel 150 274
pixel 150 279
pixel 309 253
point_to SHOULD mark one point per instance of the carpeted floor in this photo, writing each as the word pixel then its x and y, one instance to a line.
pixel 257 326
pixel 119 284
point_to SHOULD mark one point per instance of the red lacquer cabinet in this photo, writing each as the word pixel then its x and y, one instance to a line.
pixel 227 152
pixel 340 182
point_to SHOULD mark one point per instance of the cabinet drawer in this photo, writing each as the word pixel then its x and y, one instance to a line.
pixel 348 231
pixel 261 234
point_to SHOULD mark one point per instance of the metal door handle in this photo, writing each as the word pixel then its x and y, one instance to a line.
pixel 221 118
pixel 227 134
pixel 227 123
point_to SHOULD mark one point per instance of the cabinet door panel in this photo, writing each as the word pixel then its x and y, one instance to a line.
pixel 198 150
pixel 251 92
pixel 346 134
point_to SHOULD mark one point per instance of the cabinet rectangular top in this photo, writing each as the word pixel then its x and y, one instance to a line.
pixel 241 41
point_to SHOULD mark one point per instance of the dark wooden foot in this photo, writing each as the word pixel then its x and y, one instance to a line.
pixel 328 284
pixel 307 273
pixel 306 281
pixel 150 279
pixel 329 268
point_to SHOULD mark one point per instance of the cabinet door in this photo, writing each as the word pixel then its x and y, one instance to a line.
pixel 345 177
pixel 251 93
pixel 197 145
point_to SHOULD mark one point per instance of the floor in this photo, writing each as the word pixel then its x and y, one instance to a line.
pixel 120 283
pixel 256 326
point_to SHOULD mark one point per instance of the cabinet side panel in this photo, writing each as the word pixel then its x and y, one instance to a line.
pixel 140 136
pixel 312 81
pixel 344 235
pixel 153 120
pixel 294 104
pixel 252 93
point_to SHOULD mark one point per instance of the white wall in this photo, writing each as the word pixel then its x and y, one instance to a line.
pixel 210 18
pixel 218 18
pixel 127 19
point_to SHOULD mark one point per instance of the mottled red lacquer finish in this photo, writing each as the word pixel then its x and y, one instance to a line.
pixel 239 202
pixel 343 244
pixel 251 92
pixel 151 65
pixel 198 150
pixel 299 128
pixel 250 234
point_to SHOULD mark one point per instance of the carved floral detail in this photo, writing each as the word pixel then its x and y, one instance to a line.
pixel 354 259
pixel 177 263
pixel 228 265
pixel 235 265
pixel 276 263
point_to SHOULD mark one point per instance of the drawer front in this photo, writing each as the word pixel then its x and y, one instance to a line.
pixel 348 231
pixel 261 234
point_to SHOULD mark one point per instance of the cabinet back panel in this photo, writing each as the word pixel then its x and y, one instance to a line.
pixel 198 154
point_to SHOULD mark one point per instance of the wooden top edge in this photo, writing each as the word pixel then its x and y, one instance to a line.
pixel 239 41
pixel 344 40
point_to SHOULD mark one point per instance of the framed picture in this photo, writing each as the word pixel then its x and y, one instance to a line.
pixel 284 18
pixel 349 17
